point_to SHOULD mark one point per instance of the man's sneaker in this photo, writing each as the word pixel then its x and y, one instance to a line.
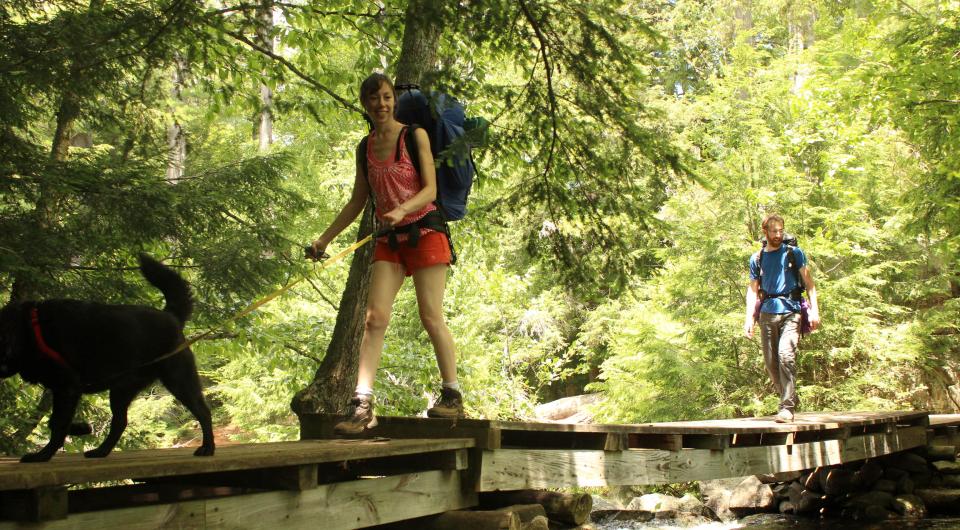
pixel 448 405
pixel 361 416
pixel 784 416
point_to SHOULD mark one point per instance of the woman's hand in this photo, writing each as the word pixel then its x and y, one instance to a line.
pixel 394 216
pixel 318 248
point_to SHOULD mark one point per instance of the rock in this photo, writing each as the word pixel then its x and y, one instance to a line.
pixel 838 481
pixel 945 501
pixel 947 467
pixel 815 480
pixel 886 485
pixel 923 479
pixel 810 502
pixel 786 507
pixel 876 513
pixel 662 506
pixel 908 461
pixel 602 503
pixel 785 476
pixel 904 486
pixel 716 496
pixel 951 481
pixel 878 498
pixel 870 472
pixel 608 516
pixel 941 452
pixel 751 496
pixel 894 473
pixel 910 506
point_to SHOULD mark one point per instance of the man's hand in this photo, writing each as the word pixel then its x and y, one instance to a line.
pixel 748 328
pixel 813 316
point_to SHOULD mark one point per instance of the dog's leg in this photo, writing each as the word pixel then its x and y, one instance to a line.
pixel 64 405
pixel 180 378
pixel 120 399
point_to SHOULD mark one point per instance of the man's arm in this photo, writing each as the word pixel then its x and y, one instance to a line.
pixel 753 288
pixel 813 315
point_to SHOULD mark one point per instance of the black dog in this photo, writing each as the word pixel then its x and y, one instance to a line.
pixel 74 348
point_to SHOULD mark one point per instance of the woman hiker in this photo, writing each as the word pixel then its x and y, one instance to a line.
pixel 403 199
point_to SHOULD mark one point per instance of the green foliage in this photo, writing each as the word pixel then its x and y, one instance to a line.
pixel 635 148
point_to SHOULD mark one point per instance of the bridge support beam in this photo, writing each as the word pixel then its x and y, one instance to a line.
pixel 513 469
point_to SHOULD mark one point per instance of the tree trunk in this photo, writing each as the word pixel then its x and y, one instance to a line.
pixel 263 128
pixel 176 141
pixel 335 379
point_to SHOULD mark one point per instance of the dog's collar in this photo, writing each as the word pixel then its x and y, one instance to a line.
pixel 42 344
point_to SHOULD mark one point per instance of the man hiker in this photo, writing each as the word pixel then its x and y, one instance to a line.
pixel 776 273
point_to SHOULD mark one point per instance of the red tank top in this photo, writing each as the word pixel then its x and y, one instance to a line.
pixel 395 182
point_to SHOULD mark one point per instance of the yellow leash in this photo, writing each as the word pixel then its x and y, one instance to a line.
pixel 255 305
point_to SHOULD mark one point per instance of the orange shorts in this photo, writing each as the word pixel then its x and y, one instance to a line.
pixel 432 249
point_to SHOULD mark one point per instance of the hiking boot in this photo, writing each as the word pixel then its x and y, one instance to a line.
pixel 784 416
pixel 448 405
pixel 361 416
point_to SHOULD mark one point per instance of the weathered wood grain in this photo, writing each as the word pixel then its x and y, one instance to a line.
pixel 73 468
pixel 511 469
pixel 352 504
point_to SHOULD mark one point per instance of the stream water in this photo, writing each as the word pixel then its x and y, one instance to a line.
pixel 786 522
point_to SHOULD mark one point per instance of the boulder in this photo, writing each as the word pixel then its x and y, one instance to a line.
pixel 602 503
pixel 716 496
pixel 870 472
pixel 908 461
pixel 838 482
pixel 951 481
pixel 945 501
pixel 886 485
pixel 909 506
pixel 662 506
pixel 941 452
pixel 947 467
pixel 752 496
pixel 775 478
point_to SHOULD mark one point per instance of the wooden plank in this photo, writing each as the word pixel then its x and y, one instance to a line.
pixel 509 469
pixel 315 425
pixel 39 504
pixel 345 505
pixel 74 468
pixel 292 478
pixel 715 442
pixel 938 420
pixel 667 442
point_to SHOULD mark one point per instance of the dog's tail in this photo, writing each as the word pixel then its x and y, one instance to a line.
pixel 174 288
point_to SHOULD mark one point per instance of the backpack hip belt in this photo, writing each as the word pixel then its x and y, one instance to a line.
pixel 434 220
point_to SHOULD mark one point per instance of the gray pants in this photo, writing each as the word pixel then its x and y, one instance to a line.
pixel 779 334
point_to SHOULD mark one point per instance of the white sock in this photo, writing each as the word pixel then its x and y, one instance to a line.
pixel 454 385
pixel 364 391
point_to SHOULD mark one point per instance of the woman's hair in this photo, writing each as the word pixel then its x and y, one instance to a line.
pixel 372 84
pixel 772 218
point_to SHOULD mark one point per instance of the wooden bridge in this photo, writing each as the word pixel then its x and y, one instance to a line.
pixel 414 467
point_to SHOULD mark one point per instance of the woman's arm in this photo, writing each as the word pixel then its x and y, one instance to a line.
pixel 428 178
pixel 349 212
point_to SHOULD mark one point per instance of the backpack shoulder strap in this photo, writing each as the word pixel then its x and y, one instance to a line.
pixel 362 164
pixel 412 146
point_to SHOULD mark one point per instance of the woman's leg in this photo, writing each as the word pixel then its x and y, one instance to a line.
pixel 384 285
pixel 430 283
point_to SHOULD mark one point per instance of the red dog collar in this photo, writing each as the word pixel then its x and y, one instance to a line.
pixel 42 344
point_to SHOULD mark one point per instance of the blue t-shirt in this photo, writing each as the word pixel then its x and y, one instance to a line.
pixel 778 280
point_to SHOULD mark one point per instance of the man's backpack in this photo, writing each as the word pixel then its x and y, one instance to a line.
pixel 789 241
